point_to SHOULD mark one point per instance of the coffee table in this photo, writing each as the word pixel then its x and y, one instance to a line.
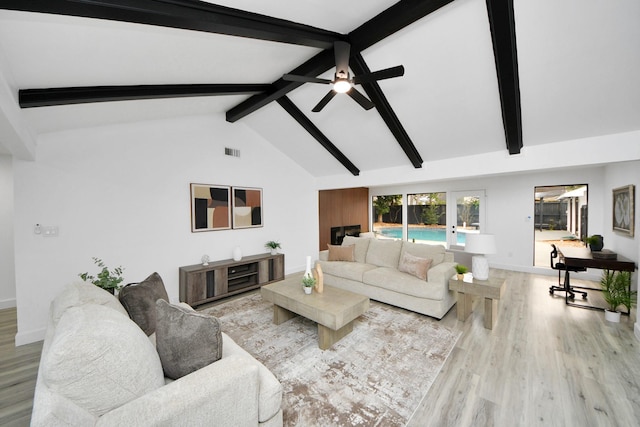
pixel 334 310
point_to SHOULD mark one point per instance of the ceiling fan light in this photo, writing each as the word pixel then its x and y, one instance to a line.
pixel 342 86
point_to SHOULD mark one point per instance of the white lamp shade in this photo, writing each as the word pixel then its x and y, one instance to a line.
pixel 480 243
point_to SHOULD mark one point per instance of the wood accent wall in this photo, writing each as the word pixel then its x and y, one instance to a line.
pixel 337 208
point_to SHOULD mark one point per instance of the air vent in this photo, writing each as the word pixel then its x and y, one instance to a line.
pixel 232 152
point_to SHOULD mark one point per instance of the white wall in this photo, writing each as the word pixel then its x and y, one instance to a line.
pixel 620 175
pixel 7 270
pixel 121 193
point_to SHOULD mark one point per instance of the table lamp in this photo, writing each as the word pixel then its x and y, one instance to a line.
pixel 480 244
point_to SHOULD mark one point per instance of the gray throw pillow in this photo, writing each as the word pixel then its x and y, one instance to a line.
pixel 185 339
pixel 139 299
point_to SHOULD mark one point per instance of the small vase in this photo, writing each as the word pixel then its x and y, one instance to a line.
pixel 274 251
pixel 237 253
pixel 307 272
pixel 460 276
pixel 307 290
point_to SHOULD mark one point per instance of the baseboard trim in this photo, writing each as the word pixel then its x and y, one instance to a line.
pixel 7 303
pixel 23 338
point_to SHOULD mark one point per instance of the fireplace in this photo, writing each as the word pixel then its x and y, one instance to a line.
pixel 338 233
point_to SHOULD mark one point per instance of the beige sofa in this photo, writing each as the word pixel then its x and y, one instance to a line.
pixel 99 368
pixel 375 272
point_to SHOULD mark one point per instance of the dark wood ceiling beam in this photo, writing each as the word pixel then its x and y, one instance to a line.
pixel 315 66
pixel 304 121
pixel 187 15
pixel 29 98
pixel 503 35
pixel 376 95
pixel 393 19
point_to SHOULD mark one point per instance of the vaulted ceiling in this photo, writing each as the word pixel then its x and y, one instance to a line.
pixel 480 75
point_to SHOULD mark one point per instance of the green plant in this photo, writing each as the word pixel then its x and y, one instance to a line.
pixel 272 244
pixel 595 242
pixel 382 204
pixel 592 239
pixel 629 297
pixel 461 269
pixel 615 289
pixel 308 281
pixel 106 279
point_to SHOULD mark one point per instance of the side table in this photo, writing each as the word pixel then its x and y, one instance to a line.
pixel 491 290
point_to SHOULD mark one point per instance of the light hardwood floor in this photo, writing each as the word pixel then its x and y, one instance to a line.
pixel 543 364
pixel 18 370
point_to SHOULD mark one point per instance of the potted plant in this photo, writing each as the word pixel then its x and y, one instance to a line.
pixel 273 246
pixel 106 279
pixel 595 242
pixel 616 292
pixel 629 297
pixel 308 282
pixel 461 269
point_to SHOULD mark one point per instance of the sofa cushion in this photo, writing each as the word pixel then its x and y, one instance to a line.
pixel 347 270
pixel 361 246
pixel 422 250
pixel 100 359
pixel 139 299
pixel 80 293
pixel 414 265
pixel 384 253
pixel 342 253
pixel 185 339
pixel 397 281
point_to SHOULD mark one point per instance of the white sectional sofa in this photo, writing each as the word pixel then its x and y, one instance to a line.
pixel 98 368
pixel 375 272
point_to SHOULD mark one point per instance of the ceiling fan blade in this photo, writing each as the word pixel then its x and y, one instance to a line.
pixel 324 101
pixel 387 73
pixel 360 99
pixel 341 51
pixel 304 79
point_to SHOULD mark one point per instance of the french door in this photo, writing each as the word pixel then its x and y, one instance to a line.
pixel 465 214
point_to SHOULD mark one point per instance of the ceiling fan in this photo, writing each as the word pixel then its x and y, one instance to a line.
pixel 342 83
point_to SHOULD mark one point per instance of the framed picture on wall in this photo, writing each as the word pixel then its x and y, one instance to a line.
pixel 210 207
pixel 624 209
pixel 247 207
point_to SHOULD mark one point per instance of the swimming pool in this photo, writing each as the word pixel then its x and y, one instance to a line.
pixel 431 234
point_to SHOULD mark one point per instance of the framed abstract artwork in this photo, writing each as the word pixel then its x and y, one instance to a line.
pixel 210 207
pixel 624 209
pixel 247 207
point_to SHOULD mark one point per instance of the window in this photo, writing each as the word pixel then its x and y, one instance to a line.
pixel 387 216
pixel 427 218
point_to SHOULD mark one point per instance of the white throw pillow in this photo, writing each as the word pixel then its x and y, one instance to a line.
pixel 100 359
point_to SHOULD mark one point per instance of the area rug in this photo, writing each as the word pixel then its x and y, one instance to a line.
pixel 375 376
